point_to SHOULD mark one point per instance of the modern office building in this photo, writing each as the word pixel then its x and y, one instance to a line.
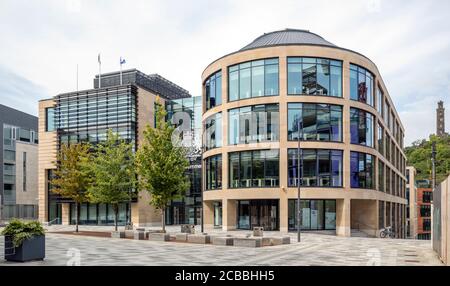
pixel 424 202
pixel 19 157
pixel 289 85
pixel 87 115
pixel 186 114
pixel 411 207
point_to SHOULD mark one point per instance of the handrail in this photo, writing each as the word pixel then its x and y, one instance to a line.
pixel 51 222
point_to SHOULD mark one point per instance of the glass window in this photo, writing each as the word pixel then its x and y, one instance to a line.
pixel 314 76
pixel 213 167
pixel 254 169
pixel 361 170
pixel 213 90
pixel 361 85
pixel 213 131
pixel 253 79
pixel 380 139
pixel 50 119
pixel 320 168
pixel 318 122
pixel 361 127
pixel 380 102
pixel 251 124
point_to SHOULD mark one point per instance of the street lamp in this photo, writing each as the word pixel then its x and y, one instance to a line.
pixel 299 166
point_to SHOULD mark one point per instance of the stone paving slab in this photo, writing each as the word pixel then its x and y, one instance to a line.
pixel 314 249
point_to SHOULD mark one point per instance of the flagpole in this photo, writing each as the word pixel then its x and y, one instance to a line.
pixel 120 70
pixel 77 77
pixel 99 72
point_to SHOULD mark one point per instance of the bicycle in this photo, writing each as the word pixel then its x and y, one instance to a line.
pixel 387 232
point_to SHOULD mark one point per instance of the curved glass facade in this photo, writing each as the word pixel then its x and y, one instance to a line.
pixel 253 79
pixel 362 126
pixel 213 172
pixel 362 170
pixel 314 76
pixel 213 90
pixel 249 169
pixel 318 122
pixel 319 168
pixel 361 85
pixel 212 137
pixel 253 124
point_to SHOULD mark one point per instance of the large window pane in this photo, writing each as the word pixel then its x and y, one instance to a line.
pixel 323 79
pixel 271 80
pixel 294 78
pixel 254 169
pixel 309 78
pixel 257 81
pixel 309 177
pixel 258 169
pixel 259 123
pixel 336 81
pixel 233 86
pixel 320 122
pixel 361 170
pixel 324 168
pixel 244 83
pixel 245 169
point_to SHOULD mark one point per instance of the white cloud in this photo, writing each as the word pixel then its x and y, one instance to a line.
pixel 43 41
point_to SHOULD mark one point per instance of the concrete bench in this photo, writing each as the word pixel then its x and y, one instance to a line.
pixel 139 235
pixel 276 240
pixel 117 234
pixel 220 240
pixel 129 233
pixel 199 238
pixel 181 237
pixel 248 242
pixel 155 236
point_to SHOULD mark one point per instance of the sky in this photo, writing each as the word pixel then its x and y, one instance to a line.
pixel 43 41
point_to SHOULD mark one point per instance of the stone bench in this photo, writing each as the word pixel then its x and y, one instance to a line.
pixel 199 238
pixel 248 242
pixel 155 236
pixel 276 240
pixel 181 237
pixel 220 240
pixel 129 233
pixel 118 234
pixel 139 235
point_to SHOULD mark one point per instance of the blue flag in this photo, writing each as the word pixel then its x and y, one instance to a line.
pixel 122 61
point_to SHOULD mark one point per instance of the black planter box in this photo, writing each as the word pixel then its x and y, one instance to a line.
pixel 31 249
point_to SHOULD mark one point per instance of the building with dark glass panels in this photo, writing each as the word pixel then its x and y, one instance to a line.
pixel 86 116
pixel 186 115
pixel 18 159
pixel 293 85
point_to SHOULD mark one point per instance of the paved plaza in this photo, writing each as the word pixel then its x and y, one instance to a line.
pixel 315 249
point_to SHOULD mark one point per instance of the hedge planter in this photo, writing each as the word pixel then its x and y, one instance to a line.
pixel 30 249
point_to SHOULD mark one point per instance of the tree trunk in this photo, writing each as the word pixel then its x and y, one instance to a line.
pixel 77 216
pixel 116 216
pixel 164 220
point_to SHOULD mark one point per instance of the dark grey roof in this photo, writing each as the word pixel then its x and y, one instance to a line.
pixel 288 37
pixel 152 82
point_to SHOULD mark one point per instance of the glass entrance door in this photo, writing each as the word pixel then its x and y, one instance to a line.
pixel 263 213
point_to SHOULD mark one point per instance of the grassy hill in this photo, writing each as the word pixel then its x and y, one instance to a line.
pixel 419 156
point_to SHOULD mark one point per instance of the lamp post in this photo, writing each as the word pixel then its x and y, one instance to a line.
pixel 299 166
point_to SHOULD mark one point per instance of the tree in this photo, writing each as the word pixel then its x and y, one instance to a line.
pixel 161 164
pixel 113 173
pixel 419 156
pixel 71 179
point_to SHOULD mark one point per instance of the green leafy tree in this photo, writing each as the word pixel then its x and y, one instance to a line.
pixel 161 164
pixel 113 173
pixel 71 179
pixel 419 156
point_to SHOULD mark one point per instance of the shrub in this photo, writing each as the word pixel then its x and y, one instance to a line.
pixel 21 231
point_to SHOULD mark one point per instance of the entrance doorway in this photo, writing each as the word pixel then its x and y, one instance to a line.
pixel 262 213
